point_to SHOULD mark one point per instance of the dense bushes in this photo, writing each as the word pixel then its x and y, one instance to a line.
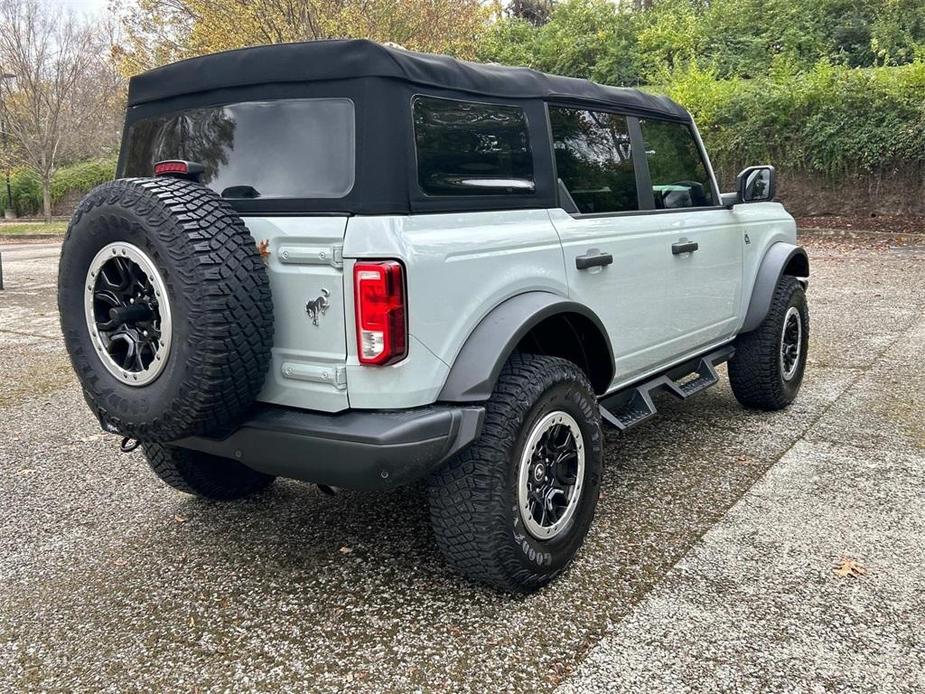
pixel 832 89
pixel 833 121
pixel 27 192
pixel 68 182
pixel 614 43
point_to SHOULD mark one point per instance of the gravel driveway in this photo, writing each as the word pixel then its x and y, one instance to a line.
pixel 109 580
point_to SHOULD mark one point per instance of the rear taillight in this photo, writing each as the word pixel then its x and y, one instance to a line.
pixel 382 333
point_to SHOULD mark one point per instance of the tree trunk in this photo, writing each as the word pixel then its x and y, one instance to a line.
pixel 46 198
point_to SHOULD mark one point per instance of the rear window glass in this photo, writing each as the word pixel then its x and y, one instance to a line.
pixel 594 159
pixel 472 149
pixel 295 148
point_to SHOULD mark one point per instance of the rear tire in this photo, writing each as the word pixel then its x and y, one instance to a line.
pixel 204 475
pixel 767 369
pixel 484 505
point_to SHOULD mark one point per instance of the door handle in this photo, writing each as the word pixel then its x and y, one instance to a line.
pixel 684 247
pixel 593 259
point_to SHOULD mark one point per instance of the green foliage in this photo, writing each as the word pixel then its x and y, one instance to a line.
pixel 82 177
pixel 509 42
pixel 736 38
pixel 27 192
pixel 832 120
pixel 831 87
pixel 593 39
pixel 78 178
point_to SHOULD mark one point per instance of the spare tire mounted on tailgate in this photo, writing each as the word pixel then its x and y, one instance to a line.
pixel 165 307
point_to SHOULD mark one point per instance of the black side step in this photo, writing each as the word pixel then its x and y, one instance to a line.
pixel 628 407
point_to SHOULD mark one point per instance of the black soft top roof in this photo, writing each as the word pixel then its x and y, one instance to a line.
pixel 347 59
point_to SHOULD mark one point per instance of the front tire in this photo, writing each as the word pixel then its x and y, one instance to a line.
pixel 767 369
pixel 513 509
pixel 203 475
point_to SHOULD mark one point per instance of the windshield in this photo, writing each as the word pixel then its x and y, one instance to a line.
pixel 294 148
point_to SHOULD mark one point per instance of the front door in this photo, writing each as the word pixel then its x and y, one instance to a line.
pixel 658 263
pixel 704 240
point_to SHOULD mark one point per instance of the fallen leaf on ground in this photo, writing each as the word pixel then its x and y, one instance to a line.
pixel 180 519
pixel 345 550
pixel 849 567
pixel 27 471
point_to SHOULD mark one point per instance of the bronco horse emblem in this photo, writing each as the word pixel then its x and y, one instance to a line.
pixel 318 307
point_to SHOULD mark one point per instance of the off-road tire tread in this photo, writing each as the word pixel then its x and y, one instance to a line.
pixel 204 475
pixel 217 261
pixel 754 372
pixel 469 516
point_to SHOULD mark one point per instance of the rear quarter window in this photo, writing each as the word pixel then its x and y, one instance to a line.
pixel 293 148
pixel 467 148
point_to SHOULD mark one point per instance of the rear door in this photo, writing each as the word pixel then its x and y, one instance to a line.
pixel 622 255
pixel 612 254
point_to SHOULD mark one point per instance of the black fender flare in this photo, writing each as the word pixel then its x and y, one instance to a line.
pixel 475 371
pixel 772 268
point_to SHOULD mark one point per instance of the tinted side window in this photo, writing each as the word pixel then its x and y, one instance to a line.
pixel 679 176
pixel 594 159
pixel 471 149
pixel 291 148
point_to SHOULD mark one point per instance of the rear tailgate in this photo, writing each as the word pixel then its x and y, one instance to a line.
pixel 305 263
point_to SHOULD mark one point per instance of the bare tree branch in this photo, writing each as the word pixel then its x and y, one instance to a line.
pixel 63 101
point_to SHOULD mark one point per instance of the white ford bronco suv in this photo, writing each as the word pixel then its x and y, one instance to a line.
pixel 361 267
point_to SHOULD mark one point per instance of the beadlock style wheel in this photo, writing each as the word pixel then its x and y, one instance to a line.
pixel 551 469
pixel 513 508
pixel 128 313
pixel 166 309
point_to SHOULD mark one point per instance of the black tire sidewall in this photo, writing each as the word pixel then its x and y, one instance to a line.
pixel 204 475
pixel 796 299
pixel 186 398
pixel 96 229
pixel 755 371
pixel 548 557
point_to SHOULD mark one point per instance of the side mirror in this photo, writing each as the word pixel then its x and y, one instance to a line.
pixel 756 184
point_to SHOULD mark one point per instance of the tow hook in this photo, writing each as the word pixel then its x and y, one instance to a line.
pixel 129 444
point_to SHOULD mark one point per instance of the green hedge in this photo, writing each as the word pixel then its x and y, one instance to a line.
pixel 27 193
pixel 77 178
pixel 836 122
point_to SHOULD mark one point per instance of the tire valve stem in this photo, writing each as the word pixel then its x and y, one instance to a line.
pixel 129 444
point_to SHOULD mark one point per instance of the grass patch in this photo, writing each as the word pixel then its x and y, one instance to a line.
pixel 20 228
pixel 37 380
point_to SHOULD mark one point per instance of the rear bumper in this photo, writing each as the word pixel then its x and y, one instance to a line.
pixel 355 450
